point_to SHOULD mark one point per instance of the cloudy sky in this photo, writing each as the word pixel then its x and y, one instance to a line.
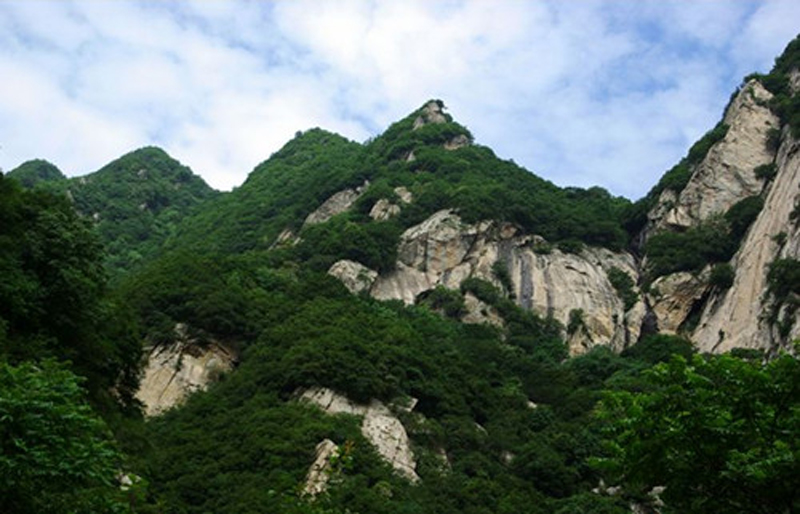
pixel 608 93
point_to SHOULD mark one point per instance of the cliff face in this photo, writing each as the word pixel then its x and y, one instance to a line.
pixel 444 251
pixel 738 316
pixel 176 370
pixel 379 425
pixel 727 173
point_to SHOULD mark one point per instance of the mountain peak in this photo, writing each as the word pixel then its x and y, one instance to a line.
pixel 431 112
pixel 30 173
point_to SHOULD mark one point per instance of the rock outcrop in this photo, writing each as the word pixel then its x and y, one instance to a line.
pixel 673 297
pixel 176 370
pixel 478 312
pixel 443 250
pixel 726 174
pixel 379 426
pixel 321 470
pixel 385 208
pixel 336 204
pixel 355 277
pixel 431 113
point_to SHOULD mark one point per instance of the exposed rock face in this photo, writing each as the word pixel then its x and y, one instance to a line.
pixel 319 474
pixel 726 174
pixel 431 113
pixel 673 296
pixel 175 371
pixel 733 318
pixel 443 250
pixel 286 238
pixel 336 204
pixel 385 209
pixel 355 277
pixel 379 426
pixel 457 142
pixel 478 312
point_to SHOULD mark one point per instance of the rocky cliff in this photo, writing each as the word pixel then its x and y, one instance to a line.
pixel 379 425
pixel 570 287
pixel 176 370
pixel 444 251
pixel 739 315
pixel 727 173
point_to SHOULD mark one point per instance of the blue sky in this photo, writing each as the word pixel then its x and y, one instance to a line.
pixel 609 93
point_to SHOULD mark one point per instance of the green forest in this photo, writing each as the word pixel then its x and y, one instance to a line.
pixel 97 269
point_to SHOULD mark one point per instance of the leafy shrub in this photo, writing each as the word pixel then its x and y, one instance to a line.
pixel 500 271
pixel 700 149
pixel 741 215
pixel 783 289
pixel 773 139
pixel 766 172
pixel 669 252
pixel 623 284
pixel 657 348
pixel 571 246
pixel 57 454
pixel 483 290
pixel 449 301
pixel 576 322
pixel 722 276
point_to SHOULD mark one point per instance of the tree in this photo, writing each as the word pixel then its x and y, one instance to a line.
pixel 55 453
pixel 720 433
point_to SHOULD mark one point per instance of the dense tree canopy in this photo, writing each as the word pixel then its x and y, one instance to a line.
pixel 719 433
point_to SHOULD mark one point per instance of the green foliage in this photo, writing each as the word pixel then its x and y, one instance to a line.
pixel 635 216
pixel 657 348
pixel 669 252
pixel 576 322
pixel 766 172
pixel 714 240
pixel 785 103
pixel 700 149
pixel 483 290
pixel 135 202
pixel 447 301
pixel 53 290
pixel 500 271
pixel 722 276
pixel 705 426
pixel 624 286
pixel 278 194
pixel 677 177
pixel 741 215
pixel 56 455
pixel 773 139
pixel 372 244
pixel 783 294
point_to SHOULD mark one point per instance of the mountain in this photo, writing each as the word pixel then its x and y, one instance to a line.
pixel 135 201
pixel 36 172
pixel 414 325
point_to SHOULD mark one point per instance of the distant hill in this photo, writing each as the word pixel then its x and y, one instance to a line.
pixel 135 202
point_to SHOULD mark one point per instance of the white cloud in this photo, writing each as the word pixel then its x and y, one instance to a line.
pixel 583 93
